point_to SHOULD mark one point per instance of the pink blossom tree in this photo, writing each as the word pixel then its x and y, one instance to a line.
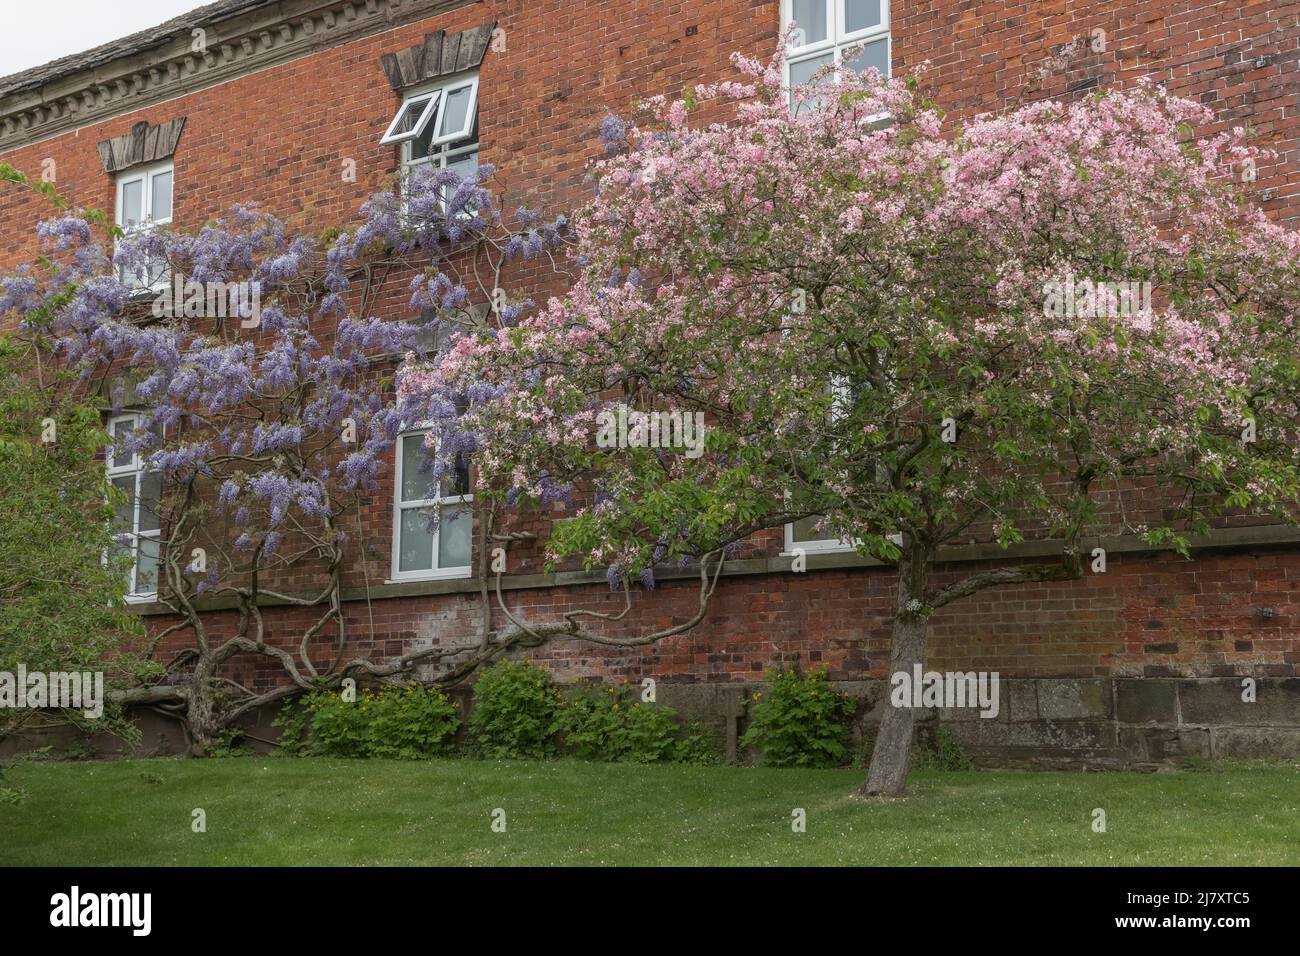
pixel 910 338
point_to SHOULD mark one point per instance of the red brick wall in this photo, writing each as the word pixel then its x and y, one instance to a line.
pixel 1238 58
pixel 280 136
pixel 1222 614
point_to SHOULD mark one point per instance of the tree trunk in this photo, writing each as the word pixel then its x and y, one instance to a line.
pixel 201 714
pixel 892 756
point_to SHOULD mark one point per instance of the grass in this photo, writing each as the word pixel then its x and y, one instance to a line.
pixel 284 811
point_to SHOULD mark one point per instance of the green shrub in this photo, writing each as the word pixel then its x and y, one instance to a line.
pixel 649 734
pixel 406 723
pixel 608 723
pixel 10 794
pixel 699 746
pixel 230 742
pixel 588 720
pixel 294 740
pixel 516 711
pixel 943 752
pixel 799 722
pixel 339 727
pixel 410 724
pixel 79 749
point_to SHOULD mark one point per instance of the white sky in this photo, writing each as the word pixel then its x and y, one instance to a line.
pixel 33 32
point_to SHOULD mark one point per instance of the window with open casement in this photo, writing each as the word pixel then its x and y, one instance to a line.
pixel 437 127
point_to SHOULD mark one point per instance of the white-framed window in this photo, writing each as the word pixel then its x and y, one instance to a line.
pixel 804 533
pixel 825 29
pixel 437 127
pixel 138 512
pixel 421 554
pixel 144 200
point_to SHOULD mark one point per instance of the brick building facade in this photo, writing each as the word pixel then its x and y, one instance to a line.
pixel 283 98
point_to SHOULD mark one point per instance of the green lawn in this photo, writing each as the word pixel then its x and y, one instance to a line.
pixel 282 811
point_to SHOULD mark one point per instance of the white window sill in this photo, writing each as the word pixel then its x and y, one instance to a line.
pixel 144 294
pixel 874 122
pixel 440 574
pixel 818 547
